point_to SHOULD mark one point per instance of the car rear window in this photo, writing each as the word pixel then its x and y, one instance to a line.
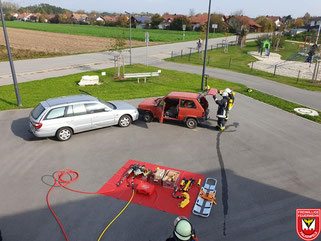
pixel 36 112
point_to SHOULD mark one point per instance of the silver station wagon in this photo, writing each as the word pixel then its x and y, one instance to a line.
pixel 64 116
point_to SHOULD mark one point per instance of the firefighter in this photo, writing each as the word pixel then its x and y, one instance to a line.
pixel 222 109
pixel 183 230
pixel 231 96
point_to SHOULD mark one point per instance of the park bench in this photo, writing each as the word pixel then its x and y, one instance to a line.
pixel 142 75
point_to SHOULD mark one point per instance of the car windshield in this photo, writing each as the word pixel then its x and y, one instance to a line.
pixel 36 112
pixel 110 105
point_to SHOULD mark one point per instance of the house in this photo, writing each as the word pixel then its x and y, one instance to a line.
pixel 110 19
pixel 80 17
pixel 100 19
pixel 315 21
pixel 298 30
pixel 276 20
pixel 141 22
pixel 26 17
pixel 249 23
pixel 198 21
pixel 168 18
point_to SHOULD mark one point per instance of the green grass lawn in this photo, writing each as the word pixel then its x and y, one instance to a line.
pixel 113 89
pixel 155 35
pixel 240 60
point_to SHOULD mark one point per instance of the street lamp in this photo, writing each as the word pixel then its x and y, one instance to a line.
pixel 130 37
pixel 205 55
pixel 13 72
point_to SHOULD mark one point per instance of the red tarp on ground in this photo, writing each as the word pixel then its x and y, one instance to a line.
pixel 162 197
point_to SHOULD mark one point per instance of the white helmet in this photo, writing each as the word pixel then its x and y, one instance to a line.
pixel 225 94
pixel 183 228
pixel 228 90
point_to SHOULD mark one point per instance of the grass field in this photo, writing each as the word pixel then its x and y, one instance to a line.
pixel 110 32
pixel 113 89
pixel 238 60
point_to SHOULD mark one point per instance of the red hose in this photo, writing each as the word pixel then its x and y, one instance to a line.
pixel 59 181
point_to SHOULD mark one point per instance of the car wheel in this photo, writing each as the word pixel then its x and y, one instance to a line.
pixel 64 134
pixel 148 116
pixel 124 121
pixel 191 123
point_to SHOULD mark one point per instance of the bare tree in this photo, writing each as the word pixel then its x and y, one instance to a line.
pixel 238 12
pixel 191 12
pixel 9 7
pixel 117 49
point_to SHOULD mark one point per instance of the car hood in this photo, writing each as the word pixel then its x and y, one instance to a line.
pixel 148 102
pixel 120 105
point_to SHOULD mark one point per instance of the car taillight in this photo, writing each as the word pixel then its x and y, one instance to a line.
pixel 37 125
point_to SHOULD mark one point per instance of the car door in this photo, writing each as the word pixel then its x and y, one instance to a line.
pixel 78 117
pixel 187 107
pixel 101 115
pixel 159 111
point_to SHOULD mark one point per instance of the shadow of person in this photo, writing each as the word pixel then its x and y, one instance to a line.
pixel 20 128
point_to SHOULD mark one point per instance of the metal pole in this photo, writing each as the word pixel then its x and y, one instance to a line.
pixel 274 71
pixel 205 55
pixel 130 38
pixel 318 34
pixel 13 72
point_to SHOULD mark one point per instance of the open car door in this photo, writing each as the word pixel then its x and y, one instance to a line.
pixel 212 91
pixel 159 112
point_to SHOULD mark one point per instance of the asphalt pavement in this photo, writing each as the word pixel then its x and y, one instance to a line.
pixel 267 164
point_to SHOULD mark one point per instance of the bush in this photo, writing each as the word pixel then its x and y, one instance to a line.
pixel 273 39
pixel 261 39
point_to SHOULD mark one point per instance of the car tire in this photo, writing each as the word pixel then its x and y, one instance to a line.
pixel 124 121
pixel 64 134
pixel 148 116
pixel 191 123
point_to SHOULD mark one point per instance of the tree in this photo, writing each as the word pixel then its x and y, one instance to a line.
pixel 192 12
pixel 236 24
pixel 306 18
pixel 122 21
pixel 238 12
pixel 8 7
pixel 299 22
pixel 156 20
pixel 81 11
pixel 217 18
pixel 267 24
pixel 177 23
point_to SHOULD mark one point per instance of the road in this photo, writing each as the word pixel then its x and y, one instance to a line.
pixel 267 164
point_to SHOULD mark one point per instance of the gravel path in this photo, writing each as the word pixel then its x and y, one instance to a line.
pixel 285 68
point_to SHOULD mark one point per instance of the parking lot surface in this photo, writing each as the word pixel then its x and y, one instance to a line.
pixel 267 164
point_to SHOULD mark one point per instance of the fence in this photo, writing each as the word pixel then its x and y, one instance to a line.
pixel 302 70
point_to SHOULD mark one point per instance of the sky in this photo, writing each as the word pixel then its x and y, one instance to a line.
pixel 251 8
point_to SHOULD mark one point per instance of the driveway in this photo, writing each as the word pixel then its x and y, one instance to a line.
pixel 267 164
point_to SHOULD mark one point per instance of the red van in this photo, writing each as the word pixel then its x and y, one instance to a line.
pixel 190 108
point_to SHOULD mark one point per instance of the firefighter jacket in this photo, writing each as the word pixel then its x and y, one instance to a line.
pixel 222 107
